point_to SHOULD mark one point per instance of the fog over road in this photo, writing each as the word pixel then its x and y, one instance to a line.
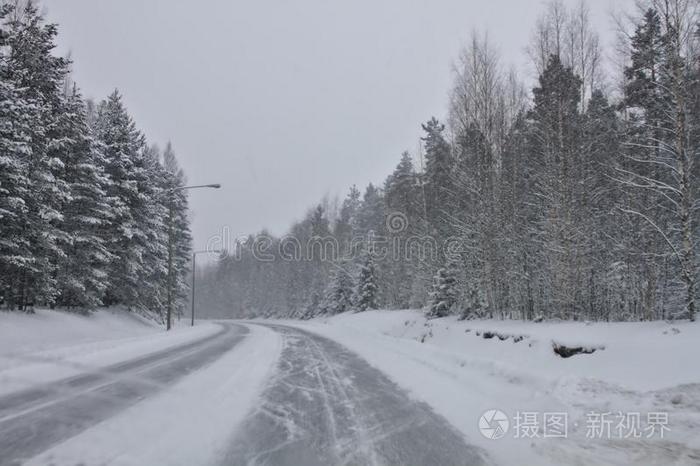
pixel 327 406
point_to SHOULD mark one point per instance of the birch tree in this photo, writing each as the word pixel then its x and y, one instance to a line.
pixel 660 89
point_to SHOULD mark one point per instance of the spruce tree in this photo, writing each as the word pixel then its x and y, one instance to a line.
pixel 371 214
pixel 367 285
pixel 345 225
pixel 643 73
pixel 122 144
pixel 39 76
pixel 82 210
pixel 340 291
pixel 438 199
pixel 403 206
pixel 601 144
pixel 82 276
pixel 443 295
pixel 16 119
pixel 558 186
pixel 152 215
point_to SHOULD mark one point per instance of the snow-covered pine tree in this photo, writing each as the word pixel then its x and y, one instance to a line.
pixel 151 214
pixel 371 212
pixel 443 294
pixel 321 249
pixel 16 118
pixel 80 217
pixel 601 144
pixel 313 306
pixel 438 180
pixel 38 77
pixel 340 291
pixel 122 144
pixel 474 303
pixel 345 224
pixel 370 224
pixel 367 289
pixel 554 154
pixel 402 195
pixel 82 272
pixel 15 254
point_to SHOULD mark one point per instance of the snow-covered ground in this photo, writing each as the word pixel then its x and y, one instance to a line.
pixel 47 329
pixel 50 345
pixel 637 370
pixel 459 368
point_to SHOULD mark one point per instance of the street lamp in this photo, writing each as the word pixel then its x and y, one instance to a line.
pixel 194 272
pixel 180 188
pixel 170 244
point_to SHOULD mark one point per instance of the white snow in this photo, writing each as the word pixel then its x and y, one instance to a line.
pixel 50 345
pixel 47 329
pixel 190 424
pixel 644 367
pixel 637 367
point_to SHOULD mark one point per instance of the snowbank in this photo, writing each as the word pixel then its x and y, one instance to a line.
pixel 636 367
pixel 632 354
pixel 45 329
pixel 50 345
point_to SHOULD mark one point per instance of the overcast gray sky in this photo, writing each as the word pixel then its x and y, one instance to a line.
pixel 284 101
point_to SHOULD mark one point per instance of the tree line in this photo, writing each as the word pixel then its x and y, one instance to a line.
pixel 576 200
pixel 85 202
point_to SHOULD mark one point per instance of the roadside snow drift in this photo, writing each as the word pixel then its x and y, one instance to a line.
pixel 50 345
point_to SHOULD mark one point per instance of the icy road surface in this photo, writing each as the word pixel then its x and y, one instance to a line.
pixel 34 419
pixel 327 406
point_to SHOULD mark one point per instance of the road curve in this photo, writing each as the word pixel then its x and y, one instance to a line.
pixel 33 420
pixel 327 406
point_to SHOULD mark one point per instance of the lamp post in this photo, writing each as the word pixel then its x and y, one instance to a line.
pixel 194 272
pixel 171 192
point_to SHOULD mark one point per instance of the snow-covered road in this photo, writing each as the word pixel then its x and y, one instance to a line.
pixel 32 420
pixel 235 393
pixel 327 406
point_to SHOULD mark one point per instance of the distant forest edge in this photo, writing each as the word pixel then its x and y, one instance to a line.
pixel 85 203
pixel 576 200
